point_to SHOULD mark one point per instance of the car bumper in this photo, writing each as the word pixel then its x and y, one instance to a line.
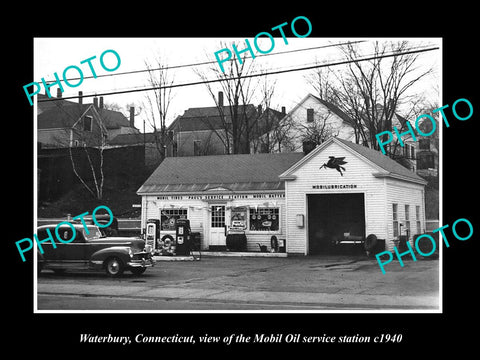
pixel 141 263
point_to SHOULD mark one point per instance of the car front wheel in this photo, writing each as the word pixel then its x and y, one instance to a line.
pixel 114 267
pixel 138 270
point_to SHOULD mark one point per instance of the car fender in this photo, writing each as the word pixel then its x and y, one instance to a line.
pixel 121 252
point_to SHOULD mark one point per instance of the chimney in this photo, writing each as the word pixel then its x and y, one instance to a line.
pixel 308 146
pixel 101 102
pixel 132 116
pixel 220 98
pixel 259 109
pixel 59 93
pixel 284 111
pixel 95 102
pixel 80 97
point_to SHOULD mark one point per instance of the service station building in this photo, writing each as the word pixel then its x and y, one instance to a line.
pixel 318 203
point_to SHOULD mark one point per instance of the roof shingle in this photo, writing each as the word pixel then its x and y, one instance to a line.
pixel 235 172
pixel 250 172
pixel 383 161
pixel 63 113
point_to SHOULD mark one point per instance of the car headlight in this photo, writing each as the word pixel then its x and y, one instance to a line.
pixel 130 252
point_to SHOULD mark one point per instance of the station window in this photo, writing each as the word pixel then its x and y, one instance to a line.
pixel 169 217
pixel 264 219
pixel 395 219
pixel 407 219
pixel 417 217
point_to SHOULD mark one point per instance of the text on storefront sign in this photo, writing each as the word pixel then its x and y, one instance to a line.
pixel 333 186
pixel 220 197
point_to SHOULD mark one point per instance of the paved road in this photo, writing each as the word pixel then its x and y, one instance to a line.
pixel 294 283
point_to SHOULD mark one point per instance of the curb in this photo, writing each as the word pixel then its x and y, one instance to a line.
pixel 221 254
pixel 173 258
pixel 243 254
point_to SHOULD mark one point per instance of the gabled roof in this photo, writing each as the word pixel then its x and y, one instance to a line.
pixel 336 110
pixel 59 113
pixel 387 167
pixel 64 113
pixel 244 172
pixel 206 118
pixel 333 108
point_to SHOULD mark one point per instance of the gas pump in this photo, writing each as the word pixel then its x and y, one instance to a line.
pixel 182 236
pixel 152 233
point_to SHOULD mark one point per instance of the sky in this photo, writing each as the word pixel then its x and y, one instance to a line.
pixel 55 54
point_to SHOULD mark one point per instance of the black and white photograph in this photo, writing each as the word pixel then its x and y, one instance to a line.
pixel 218 176
pixel 259 181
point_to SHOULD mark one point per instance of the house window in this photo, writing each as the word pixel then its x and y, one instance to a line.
pixel 395 219
pixel 417 217
pixel 424 144
pixel 309 115
pixel 407 220
pixel 87 123
pixel 169 217
pixel 174 149
pixel 197 147
pixel 264 219
pixel 409 151
pixel 426 161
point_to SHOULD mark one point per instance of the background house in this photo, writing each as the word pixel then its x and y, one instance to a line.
pixel 63 123
pixel 407 154
pixel 214 130
pixel 309 123
pixel 150 144
pixel 73 141
pixel 313 120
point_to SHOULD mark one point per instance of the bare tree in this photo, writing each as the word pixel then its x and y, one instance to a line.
pixel 322 83
pixel 317 131
pixel 125 110
pixel 158 102
pixel 268 127
pixel 371 91
pixel 85 135
pixel 291 133
pixel 237 117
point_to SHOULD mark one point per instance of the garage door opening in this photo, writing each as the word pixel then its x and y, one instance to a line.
pixel 335 221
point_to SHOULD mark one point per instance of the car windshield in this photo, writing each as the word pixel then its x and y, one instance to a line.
pixel 94 233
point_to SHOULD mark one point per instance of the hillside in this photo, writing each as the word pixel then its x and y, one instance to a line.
pixel 119 194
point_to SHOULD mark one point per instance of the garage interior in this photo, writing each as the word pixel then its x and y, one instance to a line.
pixel 334 222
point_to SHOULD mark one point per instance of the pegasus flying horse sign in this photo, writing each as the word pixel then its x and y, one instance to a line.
pixel 335 163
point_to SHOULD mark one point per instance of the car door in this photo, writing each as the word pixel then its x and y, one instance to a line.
pixel 50 254
pixel 72 254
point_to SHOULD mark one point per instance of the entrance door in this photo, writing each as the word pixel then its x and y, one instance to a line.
pixel 334 222
pixel 217 225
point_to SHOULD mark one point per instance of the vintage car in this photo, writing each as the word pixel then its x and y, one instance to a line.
pixel 91 250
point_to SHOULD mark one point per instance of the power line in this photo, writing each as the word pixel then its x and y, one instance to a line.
pixel 248 76
pixel 206 62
